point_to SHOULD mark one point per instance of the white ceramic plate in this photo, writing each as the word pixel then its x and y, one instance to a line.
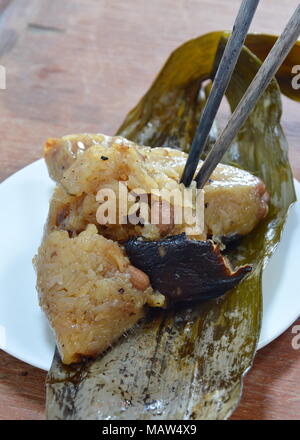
pixel 24 331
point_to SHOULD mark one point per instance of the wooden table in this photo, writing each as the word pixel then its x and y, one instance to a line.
pixel 80 65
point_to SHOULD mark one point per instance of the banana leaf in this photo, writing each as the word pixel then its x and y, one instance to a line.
pixel 261 45
pixel 188 363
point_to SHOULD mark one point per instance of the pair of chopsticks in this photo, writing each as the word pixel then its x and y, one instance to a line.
pixel 260 82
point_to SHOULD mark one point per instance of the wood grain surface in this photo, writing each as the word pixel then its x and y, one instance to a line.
pixel 79 66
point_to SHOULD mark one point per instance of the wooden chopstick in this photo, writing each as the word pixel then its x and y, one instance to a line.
pixel 229 59
pixel 260 82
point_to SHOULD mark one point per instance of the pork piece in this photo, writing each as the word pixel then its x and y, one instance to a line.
pixel 235 200
pixel 89 292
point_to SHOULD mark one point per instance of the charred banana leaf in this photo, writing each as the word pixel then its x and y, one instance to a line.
pixel 189 363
